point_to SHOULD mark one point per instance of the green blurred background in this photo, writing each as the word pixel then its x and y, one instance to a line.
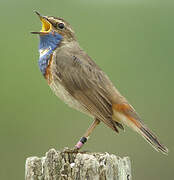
pixel 132 40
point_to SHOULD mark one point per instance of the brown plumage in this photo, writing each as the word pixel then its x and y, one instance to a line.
pixel 80 83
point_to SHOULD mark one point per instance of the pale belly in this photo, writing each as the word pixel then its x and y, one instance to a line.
pixel 63 94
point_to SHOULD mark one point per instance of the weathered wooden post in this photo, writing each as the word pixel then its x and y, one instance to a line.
pixel 67 165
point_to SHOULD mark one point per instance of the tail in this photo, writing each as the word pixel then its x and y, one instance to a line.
pixel 152 139
pixel 128 116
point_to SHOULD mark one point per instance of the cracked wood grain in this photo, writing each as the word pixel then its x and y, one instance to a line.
pixel 68 165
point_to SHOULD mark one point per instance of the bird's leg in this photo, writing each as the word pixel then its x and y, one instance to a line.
pixel 85 137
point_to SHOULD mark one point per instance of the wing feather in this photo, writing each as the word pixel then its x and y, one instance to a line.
pixel 86 82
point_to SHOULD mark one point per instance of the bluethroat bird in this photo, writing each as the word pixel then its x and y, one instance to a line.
pixel 78 81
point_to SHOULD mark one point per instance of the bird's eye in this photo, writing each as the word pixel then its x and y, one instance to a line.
pixel 61 25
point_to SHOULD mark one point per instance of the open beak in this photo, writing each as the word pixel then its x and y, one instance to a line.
pixel 46 25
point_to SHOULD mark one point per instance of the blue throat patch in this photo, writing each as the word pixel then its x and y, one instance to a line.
pixel 48 44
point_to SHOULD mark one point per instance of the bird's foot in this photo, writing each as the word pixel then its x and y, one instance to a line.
pixel 74 150
pixel 70 150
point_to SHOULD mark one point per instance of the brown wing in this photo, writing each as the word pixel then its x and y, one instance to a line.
pixel 86 82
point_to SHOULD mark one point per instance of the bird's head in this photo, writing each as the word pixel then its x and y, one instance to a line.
pixel 55 33
pixel 53 25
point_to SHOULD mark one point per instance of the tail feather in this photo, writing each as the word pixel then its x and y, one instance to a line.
pixel 152 139
pixel 128 116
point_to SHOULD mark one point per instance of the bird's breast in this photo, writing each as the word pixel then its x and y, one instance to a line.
pixel 48 43
pixel 57 83
pixel 65 96
pixel 45 61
